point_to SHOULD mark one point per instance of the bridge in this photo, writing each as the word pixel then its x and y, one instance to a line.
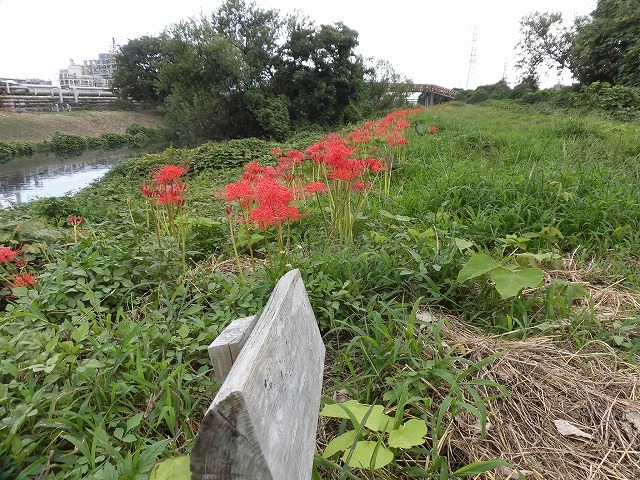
pixel 431 91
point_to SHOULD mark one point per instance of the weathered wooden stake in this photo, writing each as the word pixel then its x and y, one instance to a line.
pixel 262 423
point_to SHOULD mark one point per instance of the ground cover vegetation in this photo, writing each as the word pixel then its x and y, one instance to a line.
pixel 244 71
pixel 406 229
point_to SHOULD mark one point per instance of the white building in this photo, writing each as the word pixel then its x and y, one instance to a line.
pixel 92 73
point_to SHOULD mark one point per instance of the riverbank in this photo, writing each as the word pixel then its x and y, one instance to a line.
pixel 40 127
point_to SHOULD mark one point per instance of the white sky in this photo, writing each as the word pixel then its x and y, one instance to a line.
pixel 428 41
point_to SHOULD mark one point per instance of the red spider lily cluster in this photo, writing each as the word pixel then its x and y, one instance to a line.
pixel 339 166
pixel 433 129
pixel 166 188
pixel 12 270
pixel 165 196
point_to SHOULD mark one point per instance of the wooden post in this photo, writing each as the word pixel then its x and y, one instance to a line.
pixel 262 423
pixel 225 349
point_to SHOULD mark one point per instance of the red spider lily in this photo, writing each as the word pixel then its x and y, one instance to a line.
pixel 296 156
pixel 172 194
pixel 74 220
pixel 242 190
pixel 7 255
pixel 362 186
pixel 169 174
pixel 375 165
pixel 433 129
pixel 315 187
pixel 347 171
pixel 24 280
pixel 270 191
pixel 359 136
pixel 266 215
pixel 149 190
pixel 276 152
pixel 395 139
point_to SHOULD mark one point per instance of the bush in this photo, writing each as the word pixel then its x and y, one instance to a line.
pixel 7 152
pixel 66 144
pixel 622 102
pixel 113 141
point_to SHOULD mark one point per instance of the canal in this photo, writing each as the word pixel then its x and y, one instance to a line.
pixel 25 179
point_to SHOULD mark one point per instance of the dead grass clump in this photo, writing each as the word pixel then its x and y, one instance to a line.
pixel 569 416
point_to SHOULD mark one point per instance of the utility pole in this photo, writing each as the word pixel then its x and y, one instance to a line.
pixel 472 56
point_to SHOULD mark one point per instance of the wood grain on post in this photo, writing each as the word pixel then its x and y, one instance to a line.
pixel 224 350
pixel 262 423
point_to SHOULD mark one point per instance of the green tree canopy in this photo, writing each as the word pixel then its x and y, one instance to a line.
pixel 138 64
pixel 606 47
pixel 602 47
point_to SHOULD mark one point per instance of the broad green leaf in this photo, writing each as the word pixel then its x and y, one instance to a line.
pixel 80 333
pixel 477 468
pixel 176 468
pixel 509 284
pixel 408 435
pixel 376 421
pixel 134 421
pixel 150 454
pixel 476 266
pixel 184 331
pixel 462 244
pixel 399 218
pixel 340 443
pixel 365 454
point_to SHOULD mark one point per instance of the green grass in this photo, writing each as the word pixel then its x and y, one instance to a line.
pixel 104 367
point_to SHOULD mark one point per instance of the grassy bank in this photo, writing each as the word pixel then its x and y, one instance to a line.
pixel 499 220
pixel 39 127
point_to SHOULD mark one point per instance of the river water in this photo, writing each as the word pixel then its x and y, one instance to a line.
pixel 25 179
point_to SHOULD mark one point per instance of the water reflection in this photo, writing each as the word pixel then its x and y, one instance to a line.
pixel 26 179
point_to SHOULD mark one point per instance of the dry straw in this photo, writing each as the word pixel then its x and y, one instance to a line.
pixel 549 386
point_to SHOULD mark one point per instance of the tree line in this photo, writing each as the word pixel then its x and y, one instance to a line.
pixel 601 47
pixel 245 71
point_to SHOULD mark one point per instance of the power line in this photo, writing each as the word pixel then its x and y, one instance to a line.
pixel 472 56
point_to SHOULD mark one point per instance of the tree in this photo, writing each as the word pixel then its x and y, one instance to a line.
pixel 321 75
pixel 218 69
pixel 606 47
pixel 546 43
pixel 138 64
pixel 386 89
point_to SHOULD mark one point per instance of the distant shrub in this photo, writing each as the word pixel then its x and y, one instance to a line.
pixel 66 144
pixel 7 152
pixel 94 143
pixel 621 102
pixel 113 141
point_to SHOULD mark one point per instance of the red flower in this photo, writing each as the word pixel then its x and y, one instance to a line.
pixel 172 194
pixel 7 255
pixel 242 190
pixel 266 215
pixel 396 139
pixel 74 220
pixel 169 173
pixel 149 190
pixel 24 280
pixel 433 129
pixel 296 156
pixel 361 186
pixel 316 187
pixel 375 165
pixel 276 151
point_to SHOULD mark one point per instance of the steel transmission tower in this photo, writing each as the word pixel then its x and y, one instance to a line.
pixel 472 55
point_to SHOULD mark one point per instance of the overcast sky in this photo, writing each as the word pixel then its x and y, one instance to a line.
pixel 428 41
